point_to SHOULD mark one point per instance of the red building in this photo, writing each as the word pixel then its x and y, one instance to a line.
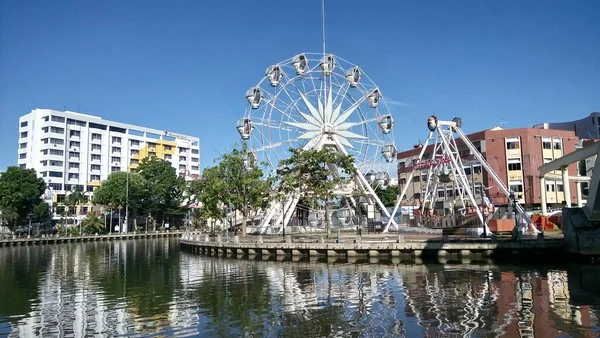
pixel 514 154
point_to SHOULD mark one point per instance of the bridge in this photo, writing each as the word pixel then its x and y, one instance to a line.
pixel 581 225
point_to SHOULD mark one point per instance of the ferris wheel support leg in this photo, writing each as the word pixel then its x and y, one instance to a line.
pixel 288 202
pixel 364 182
pixel 262 228
pixel 408 179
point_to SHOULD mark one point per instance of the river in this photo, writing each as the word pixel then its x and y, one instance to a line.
pixel 149 288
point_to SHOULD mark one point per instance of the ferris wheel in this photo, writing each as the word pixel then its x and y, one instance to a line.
pixel 311 101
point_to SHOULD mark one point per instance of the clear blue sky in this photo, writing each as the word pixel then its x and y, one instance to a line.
pixel 184 66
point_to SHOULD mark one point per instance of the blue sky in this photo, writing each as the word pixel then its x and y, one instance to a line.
pixel 184 66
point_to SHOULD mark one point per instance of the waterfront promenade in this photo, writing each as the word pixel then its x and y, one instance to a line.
pixel 372 245
pixel 86 238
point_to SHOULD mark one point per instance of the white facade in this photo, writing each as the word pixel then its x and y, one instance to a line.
pixel 70 149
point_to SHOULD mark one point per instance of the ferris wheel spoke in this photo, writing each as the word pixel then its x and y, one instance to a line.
pixel 275 126
pixel 349 134
pixel 349 111
pixel 313 111
pixel 278 144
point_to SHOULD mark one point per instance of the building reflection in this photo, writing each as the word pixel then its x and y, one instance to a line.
pixel 149 287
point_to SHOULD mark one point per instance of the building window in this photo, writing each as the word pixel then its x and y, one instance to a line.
pixel 182 158
pixel 116 139
pixel 74 155
pixel 151 145
pixel 403 180
pixel 57 141
pixel 24 124
pixel 467 170
pixel 115 159
pixel 73 165
pixel 516 186
pixel 135 142
pixel 134 152
pixel 151 154
pixel 182 167
pixel 23 166
pixel 195 159
pixel 96 157
pixel 417 179
pixel 44 163
pixel 195 151
pixel 76 122
pixel 23 145
pixel 96 137
pixel 22 156
pixel 557 144
pixel 57 119
pixel 56 152
pixel 512 145
pixel 96 147
pixel 560 187
pixel 56 163
pixel 477 169
pixel 55 186
pixel 168 157
pixel 449 192
pixel 73 176
pixel 90 188
pixel 167 148
pixel 116 149
pixel 55 174
pixel 45 129
pixel 74 133
pixel 113 169
pixel 514 166
pixel 44 151
pixel 134 161
pixel 441 193
pixel 23 134
pixel 94 177
pixel 182 150
pixel 550 186
pixel 195 168
pixel 57 130
pixel 95 167
pixel 478 188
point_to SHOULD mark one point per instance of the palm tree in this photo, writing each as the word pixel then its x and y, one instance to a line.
pixel 93 224
pixel 74 199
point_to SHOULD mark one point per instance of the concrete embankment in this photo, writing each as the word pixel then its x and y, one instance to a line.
pixel 90 238
pixel 372 246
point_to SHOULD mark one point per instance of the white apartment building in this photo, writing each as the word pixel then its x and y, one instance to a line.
pixel 70 149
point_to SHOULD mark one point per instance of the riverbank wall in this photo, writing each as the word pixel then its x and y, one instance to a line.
pixel 90 238
pixel 374 247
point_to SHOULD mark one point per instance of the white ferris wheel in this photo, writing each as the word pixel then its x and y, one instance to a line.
pixel 313 101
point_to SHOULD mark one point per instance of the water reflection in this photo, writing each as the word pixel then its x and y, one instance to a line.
pixel 147 287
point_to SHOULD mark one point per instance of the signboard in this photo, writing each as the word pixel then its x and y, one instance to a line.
pixel 432 163
pixel 178 136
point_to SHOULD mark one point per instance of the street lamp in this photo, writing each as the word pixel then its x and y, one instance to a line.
pixel 120 225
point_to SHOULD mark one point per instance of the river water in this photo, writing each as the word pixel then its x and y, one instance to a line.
pixel 150 288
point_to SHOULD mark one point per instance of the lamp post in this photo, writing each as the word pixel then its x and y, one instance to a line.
pixel 127 202
pixel 120 225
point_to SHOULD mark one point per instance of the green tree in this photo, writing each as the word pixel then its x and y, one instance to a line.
pixel 209 191
pixel 388 195
pixel 163 187
pixel 74 199
pixel 315 174
pixel 244 186
pixel 20 193
pixel 93 224
pixel 113 192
